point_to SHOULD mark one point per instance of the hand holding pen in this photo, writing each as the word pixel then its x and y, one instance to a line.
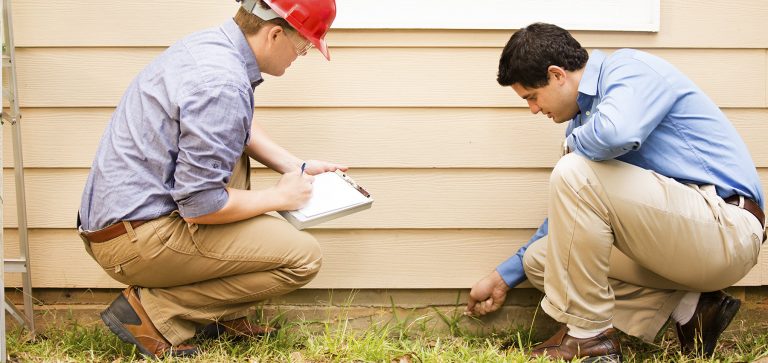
pixel 295 188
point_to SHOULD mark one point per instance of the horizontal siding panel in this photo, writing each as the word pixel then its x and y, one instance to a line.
pixel 403 77
pixel 383 259
pixel 411 137
pixel 404 198
pixel 148 23
pixel 399 259
pixel 415 137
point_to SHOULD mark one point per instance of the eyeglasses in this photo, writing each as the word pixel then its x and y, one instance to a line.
pixel 302 46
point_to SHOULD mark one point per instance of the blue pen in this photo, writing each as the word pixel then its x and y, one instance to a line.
pixel 303 165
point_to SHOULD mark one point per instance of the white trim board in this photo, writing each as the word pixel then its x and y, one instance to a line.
pixel 614 15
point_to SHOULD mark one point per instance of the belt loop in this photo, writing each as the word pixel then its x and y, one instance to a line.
pixel 129 230
pixel 741 201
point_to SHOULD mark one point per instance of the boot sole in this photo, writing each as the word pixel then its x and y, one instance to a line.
pixel 116 326
pixel 711 337
pixel 610 358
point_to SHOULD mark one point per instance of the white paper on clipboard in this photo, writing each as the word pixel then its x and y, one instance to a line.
pixel 334 194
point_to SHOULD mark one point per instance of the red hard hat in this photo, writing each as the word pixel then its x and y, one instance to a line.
pixel 311 18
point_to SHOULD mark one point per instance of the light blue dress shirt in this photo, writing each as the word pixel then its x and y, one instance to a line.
pixel 638 108
pixel 176 134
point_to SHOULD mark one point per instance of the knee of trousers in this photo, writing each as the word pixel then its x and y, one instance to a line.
pixel 310 262
pixel 533 266
pixel 568 169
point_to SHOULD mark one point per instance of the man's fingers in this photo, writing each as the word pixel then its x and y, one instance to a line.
pixel 480 308
pixel 471 303
pixel 488 306
pixel 470 306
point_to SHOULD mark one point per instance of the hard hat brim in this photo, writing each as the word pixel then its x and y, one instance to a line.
pixel 322 46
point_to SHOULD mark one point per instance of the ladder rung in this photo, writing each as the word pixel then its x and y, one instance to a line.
pixel 15 265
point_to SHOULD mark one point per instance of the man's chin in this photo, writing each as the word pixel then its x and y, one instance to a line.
pixel 274 73
pixel 559 120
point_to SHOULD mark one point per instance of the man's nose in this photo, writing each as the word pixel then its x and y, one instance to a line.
pixel 534 107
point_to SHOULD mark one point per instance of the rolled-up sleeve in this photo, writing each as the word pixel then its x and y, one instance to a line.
pixel 634 102
pixel 214 123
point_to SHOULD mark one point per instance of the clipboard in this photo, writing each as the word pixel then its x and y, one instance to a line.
pixel 334 195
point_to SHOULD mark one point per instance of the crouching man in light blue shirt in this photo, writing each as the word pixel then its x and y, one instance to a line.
pixel 655 208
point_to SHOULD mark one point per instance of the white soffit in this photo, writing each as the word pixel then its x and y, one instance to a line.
pixel 611 15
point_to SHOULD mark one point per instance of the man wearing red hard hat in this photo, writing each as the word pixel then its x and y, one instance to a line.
pixel 167 208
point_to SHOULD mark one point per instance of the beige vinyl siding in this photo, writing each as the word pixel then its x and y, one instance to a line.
pixel 412 137
pixel 351 258
pixel 457 165
pixel 364 77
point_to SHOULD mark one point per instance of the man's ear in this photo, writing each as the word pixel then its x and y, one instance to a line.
pixel 556 73
pixel 273 33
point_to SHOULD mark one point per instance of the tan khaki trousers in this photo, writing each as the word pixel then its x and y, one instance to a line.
pixel 626 243
pixel 193 274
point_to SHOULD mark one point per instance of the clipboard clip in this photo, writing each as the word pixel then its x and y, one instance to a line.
pixel 354 185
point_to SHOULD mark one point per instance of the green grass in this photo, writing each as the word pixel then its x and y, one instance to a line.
pixel 437 337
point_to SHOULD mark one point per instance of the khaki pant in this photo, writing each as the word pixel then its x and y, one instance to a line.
pixel 625 244
pixel 193 274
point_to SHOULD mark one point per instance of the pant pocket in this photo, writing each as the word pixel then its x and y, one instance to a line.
pixel 115 255
pixel 757 243
pixel 173 233
pixel 750 234
pixel 87 245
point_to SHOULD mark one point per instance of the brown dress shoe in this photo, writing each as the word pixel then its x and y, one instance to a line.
pixel 240 327
pixel 604 347
pixel 127 319
pixel 714 312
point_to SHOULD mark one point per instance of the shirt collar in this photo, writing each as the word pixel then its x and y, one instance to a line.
pixel 235 35
pixel 588 83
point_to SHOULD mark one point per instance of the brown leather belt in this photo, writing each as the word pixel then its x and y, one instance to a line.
pixel 749 205
pixel 107 233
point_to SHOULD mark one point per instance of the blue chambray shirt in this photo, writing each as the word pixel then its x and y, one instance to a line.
pixel 638 108
pixel 177 132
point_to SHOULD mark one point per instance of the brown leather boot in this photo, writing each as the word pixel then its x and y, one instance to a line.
pixel 714 312
pixel 127 319
pixel 240 327
pixel 604 347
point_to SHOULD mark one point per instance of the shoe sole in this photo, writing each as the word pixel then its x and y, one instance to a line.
pixel 116 326
pixel 610 358
pixel 711 337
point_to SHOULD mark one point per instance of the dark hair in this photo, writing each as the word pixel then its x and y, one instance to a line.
pixel 531 50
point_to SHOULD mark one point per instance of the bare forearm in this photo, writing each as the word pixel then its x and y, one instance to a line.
pixel 262 149
pixel 242 204
pixel 292 191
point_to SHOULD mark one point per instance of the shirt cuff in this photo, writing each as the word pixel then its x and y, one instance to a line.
pixel 511 271
pixel 203 202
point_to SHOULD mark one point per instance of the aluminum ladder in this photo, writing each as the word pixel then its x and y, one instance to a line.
pixel 22 264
